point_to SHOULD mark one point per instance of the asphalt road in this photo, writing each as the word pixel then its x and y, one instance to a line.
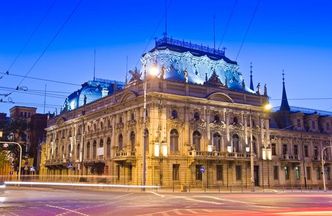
pixel 52 201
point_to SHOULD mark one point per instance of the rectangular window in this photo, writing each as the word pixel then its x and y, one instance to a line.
pixel 318 170
pixel 199 175
pixel 286 172
pixel 309 173
pixel 297 173
pixel 238 172
pixel 118 172
pixel 176 172
pixel 274 149
pixel 315 153
pixel 276 172
pixel 130 172
pixel 219 170
pixel 328 173
pixel 284 149
pixel 296 150
pixel 306 151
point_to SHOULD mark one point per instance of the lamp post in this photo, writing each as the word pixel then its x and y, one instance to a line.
pixel 252 178
pixel 20 161
pixel 323 162
pixel 154 70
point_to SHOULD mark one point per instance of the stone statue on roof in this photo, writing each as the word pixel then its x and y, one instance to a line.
pixel 258 88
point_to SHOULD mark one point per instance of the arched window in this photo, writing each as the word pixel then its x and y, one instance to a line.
pixel 146 140
pixel 88 151
pixel 196 116
pixel 108 148
pixel 101 145
pixel 217 141
pixel 174 141
pixel 62 151
pixel 235 120
pixel 197 140
pixel 78 149
pixel 94 149
pixel 254 144
pixel 56 152
pixel 132 116
pixel 132 141
pixel 120 141
pixel 174 114
pixel 68 150
pixel 236 143
pixel 216 118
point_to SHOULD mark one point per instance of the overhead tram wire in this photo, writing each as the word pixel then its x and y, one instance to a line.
pixel 248 28
pixel 32 104
pixel 53 94
pixel 50 43
pixel 30 38
pixel 227 24
pixel 41 79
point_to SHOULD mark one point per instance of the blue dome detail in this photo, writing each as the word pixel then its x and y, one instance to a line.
pixel 90 91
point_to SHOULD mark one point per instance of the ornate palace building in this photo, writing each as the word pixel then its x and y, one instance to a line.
pixel 186 118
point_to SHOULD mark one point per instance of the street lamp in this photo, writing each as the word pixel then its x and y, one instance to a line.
pixel 323 162
pixel 20 161
pixel 154 71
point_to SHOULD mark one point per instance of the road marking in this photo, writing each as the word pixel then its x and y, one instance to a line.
pixel 115 200
pixel 227 200
pixel 200 201
pixel 67 210
pixel 157 194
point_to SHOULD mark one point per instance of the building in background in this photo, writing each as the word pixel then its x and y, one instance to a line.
pixel 189 116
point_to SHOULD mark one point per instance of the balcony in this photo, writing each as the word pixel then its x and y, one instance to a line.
pixel 214 155
pixel 121 155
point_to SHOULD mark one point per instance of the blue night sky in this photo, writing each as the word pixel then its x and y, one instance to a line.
pixel 292 35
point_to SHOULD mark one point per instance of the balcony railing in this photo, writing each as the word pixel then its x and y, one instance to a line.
pixel 215 154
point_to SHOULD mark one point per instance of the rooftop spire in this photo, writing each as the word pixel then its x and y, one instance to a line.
pixel 251 81
pixel 284 102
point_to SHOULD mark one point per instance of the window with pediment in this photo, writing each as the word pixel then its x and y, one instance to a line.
pixel 197 140
pixel 174 141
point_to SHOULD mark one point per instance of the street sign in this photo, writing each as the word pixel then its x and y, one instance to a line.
pixel 202 169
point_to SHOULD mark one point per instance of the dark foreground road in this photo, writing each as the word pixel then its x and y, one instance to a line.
pixel 51 201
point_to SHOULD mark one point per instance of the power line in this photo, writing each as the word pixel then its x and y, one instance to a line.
pixel 227 23
pixel 41 79
pixel 25 90
pixel 50 43
pixel 32 104
pixel 31 36
pixel 247 30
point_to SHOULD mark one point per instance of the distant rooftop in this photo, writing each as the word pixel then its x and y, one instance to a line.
pixel 195 49
pixel 307 111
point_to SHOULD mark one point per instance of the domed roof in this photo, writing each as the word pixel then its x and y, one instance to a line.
pixel 91 90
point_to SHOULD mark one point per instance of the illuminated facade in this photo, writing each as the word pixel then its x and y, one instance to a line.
pixel 201 120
